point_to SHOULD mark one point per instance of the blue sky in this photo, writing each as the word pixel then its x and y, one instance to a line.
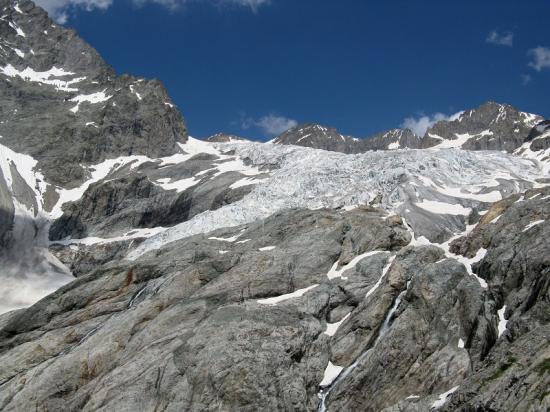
pixel 253 67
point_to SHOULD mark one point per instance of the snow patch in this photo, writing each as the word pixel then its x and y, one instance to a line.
pixel 334 273
pixel 502 322
pixel 532 224
pixel 333 327
pixel 384 271
pixel 277 299
pixel 443 398
pixel 331 373
pixel 49 77
pixel 443 208
pixel 93 98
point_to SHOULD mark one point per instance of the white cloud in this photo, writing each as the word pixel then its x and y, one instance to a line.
pixel 526 79
pixel 420 124
pixel 59 10
pixel 541 58
pixel 270 125
pixel 501 39
pixel 252 4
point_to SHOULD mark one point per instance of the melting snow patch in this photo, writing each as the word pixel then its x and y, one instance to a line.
pixel 18 52
pixel 502 321
pixel 296 294
pixel 132 234
pixel 47 77
pixel 266 248
pixel 245 182
pixel 90 98
pixel 443 208
pixel 443 398
pixel 337 273
pixel 26 167
pixel 17 29
pixel 333 327
pixel 384 271
pixel 136 93
pixel 460 343
pixel 178 185
pixel 98 172
pixel 331 373
pixel 225 239
pixel 530 225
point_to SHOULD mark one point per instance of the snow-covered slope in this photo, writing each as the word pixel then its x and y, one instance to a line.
pixel 434 189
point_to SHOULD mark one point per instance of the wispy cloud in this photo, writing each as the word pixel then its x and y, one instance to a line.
pixel 541 58
pixel 526 79
pixel 270 125
pixel 60 10
pixel 501 39
pixel 421 123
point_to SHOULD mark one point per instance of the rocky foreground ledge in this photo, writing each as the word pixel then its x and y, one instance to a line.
pixel 305 310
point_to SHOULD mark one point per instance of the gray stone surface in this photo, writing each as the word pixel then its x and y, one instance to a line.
pixel 186 317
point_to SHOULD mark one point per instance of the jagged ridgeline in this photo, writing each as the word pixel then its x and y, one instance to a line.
pixel 144 270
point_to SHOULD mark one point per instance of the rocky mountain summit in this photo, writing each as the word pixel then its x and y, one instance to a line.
pixel 492 126
pixel 143 269
pixel 318 137
pixel 225 138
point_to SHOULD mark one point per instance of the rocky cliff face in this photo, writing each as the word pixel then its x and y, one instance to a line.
pixel 63 109
pixel 225 274
pixel 250 317
pixel 63 106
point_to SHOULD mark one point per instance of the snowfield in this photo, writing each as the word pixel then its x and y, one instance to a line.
pixel 437 181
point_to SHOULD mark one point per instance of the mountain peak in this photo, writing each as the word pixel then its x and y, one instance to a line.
pixel 491 126
pixel 225 138
pixel 318 137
